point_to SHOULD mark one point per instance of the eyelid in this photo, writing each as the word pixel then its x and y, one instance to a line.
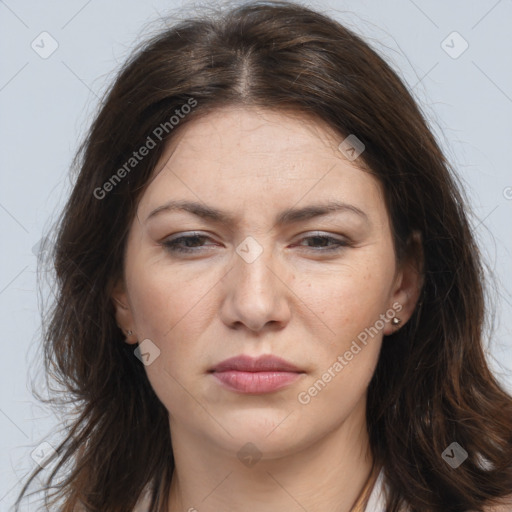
pixel 307 234
pixel 322 233
pixel 185 234
pixel 340 239
pixel 338 242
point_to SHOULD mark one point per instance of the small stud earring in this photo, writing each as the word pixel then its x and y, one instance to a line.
pixel 129 333
pixel 396 321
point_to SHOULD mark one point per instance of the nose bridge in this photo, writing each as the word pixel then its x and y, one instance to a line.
pixel 253 267
pixel 255 294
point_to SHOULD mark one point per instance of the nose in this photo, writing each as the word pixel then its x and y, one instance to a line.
pixel 257 291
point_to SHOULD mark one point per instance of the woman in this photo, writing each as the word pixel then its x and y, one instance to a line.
pixel 270 297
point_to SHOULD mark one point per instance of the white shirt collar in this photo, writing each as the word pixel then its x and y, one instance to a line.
pixel 376 502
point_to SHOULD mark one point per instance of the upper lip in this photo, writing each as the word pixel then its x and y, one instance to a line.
pixel 265 363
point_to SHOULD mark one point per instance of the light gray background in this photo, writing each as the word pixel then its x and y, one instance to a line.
pixel 46 104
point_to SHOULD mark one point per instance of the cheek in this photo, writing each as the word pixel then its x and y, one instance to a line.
pixel 349 305
pixel 164 299
pixel 348 300
pixel 169 310
pixel 172 307
pixel 333 393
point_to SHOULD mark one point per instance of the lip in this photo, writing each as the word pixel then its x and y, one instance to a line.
pixel 264 374
pixel 265 363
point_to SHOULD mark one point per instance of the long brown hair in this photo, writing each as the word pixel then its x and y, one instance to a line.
pixel 432 385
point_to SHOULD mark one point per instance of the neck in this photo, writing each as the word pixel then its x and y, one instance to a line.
pixel 332 474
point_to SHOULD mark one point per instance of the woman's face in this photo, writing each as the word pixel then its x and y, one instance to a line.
pixel 259 278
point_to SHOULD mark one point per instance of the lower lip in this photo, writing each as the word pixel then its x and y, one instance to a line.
pixel 256 382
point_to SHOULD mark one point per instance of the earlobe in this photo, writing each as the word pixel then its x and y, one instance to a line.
pixel 409 284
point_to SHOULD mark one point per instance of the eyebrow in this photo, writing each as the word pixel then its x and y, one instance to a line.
pixel 285 217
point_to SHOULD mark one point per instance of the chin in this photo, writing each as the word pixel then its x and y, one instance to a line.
pixel 270 434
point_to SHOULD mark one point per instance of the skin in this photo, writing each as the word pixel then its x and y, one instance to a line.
pixel 296 300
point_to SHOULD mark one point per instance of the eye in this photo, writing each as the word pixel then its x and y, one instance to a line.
pixel 323 240
pixel 195 243
pixel 185 244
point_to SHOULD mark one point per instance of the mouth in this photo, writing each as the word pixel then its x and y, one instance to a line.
pixel 265 374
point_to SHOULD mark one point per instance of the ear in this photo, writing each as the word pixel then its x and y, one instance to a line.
pixel 408 283
pixel 123 313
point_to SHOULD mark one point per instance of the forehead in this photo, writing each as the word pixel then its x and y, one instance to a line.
pixel 242 156
pixel 257 133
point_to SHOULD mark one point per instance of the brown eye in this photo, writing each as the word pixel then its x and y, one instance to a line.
pixel 322 243
pixel 185 244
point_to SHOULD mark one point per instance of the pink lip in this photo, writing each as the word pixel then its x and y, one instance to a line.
pixel 262 375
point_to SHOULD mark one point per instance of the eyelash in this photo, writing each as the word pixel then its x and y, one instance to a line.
pixel 173 245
